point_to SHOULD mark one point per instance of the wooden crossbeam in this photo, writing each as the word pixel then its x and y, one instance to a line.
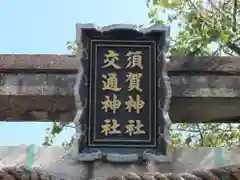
pixel 204 88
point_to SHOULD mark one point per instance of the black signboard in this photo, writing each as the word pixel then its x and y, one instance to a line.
pixel 124 93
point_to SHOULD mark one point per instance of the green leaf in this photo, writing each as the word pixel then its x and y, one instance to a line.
pixel 69 47
pixel 68 42
pixel 224 36
pixel 164 3
pixel 160 22
pixel 188 140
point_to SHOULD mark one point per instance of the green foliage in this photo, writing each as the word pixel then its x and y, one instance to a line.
pixel 72 46
pixel 51 133
pixel 199 26
pixel 207 135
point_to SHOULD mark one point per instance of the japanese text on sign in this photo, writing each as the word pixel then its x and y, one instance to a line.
pixel 112 103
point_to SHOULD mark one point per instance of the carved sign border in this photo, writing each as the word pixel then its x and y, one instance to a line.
pixel 81 97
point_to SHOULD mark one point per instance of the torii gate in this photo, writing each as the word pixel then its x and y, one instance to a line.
pixel 204 88
pixel 40 87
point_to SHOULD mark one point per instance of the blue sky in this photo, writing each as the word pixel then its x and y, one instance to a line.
pixel 43 27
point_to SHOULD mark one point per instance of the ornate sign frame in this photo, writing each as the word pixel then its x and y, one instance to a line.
pixel 88 36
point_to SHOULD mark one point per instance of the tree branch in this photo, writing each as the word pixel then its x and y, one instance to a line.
pixel 186 130
pixel 201 135
pixel 234 16
pixel 233 47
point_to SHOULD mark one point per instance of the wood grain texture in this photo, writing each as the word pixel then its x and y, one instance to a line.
pixel 52 63
pixel 204 88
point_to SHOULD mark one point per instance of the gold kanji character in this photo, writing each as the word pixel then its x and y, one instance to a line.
pixel 134 127
pixel 130 127
pixel 113 104
pixel 111 58
pixel 138 127
pixel 110 82
pixel 114 127
pixel 134 81
pixel 108 128
pixel 134 59
pixel 136 105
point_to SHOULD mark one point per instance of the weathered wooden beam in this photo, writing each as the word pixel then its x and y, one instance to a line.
pixel 28 96
pixel 62 108
pixel 36 108
pixel 42 88
pixel 205 109
pixel 38 63
pixel 62 85
pixel 223 65
pixel 50 63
